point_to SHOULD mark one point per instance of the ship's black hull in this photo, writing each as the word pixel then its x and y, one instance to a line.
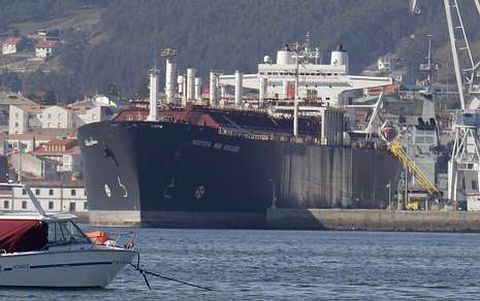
pixel 178 174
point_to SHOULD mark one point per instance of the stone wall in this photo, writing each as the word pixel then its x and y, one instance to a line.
pixel 374 220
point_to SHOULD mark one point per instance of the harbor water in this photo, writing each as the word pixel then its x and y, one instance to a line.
pixel 292 265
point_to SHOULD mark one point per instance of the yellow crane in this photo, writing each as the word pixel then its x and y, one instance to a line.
pixel 396 148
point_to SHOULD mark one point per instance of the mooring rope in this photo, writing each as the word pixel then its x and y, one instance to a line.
pixel 145 272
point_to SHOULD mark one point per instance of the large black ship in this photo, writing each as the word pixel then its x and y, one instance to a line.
pixel 206 167
pixel 220 164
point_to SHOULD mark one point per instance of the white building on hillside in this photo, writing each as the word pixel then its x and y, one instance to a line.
pixel 56 117
pixel 95 114
pixel 25 118
pixel 44 49
pixel 11 45
pixel 35 138
pixel 22 118
pixel 384 64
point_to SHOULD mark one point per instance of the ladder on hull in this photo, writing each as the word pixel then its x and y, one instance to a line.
pixel 396 148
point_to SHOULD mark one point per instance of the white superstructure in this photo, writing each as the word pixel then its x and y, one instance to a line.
pixel 296 84
pixel 326 83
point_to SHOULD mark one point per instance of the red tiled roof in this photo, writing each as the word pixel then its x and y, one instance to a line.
pixel 31 107
pixel 42 150
pixel 62 141
pixel 12 40
pixel 64 184
pixel 45 44
pixel 43 135
pixel 28 136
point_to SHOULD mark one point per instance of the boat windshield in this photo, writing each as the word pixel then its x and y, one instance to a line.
pixel 65 232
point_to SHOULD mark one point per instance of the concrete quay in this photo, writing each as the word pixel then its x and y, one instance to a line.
pixel 373 220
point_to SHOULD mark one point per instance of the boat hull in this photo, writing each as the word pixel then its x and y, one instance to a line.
pixel 167 174
pixel 63 269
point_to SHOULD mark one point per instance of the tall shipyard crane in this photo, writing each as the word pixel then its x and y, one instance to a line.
pixel 467 69
pixel 464 163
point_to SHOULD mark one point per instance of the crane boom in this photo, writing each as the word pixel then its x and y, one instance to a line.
pixel 453 46
pixel 414 9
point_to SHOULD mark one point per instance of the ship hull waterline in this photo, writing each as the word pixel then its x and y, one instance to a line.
pixel 180 175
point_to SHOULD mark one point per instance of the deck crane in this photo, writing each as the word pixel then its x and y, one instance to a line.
pixel 464 163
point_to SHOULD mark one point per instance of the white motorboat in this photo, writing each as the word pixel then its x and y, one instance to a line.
pixel 40 250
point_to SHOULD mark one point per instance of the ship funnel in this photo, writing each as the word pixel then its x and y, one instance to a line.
pixel 153 115
pixel 340 57
pixel 285 56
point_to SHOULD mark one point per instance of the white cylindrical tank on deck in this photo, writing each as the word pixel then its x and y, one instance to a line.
pixel 191 72
pixel 238 87
pixel 213 89
pixel 152 116
pixel 170 70
pixel 340 57
pixel 222 96
pixel 185 91
pixel 285 89
pixel 262 90
pixel 180 80
pixel 284 57
pixel 198 88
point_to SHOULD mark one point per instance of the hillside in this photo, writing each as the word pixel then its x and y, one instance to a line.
pixel 124 37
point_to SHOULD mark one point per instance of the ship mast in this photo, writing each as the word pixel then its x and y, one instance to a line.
pixel 299 54
pixel 295 49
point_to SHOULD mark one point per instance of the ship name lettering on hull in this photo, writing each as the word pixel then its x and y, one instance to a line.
pixel 217 145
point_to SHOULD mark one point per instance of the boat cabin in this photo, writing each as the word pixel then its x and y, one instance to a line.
pixel 23 233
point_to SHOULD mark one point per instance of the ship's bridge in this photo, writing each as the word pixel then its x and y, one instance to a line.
pixel 322 82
